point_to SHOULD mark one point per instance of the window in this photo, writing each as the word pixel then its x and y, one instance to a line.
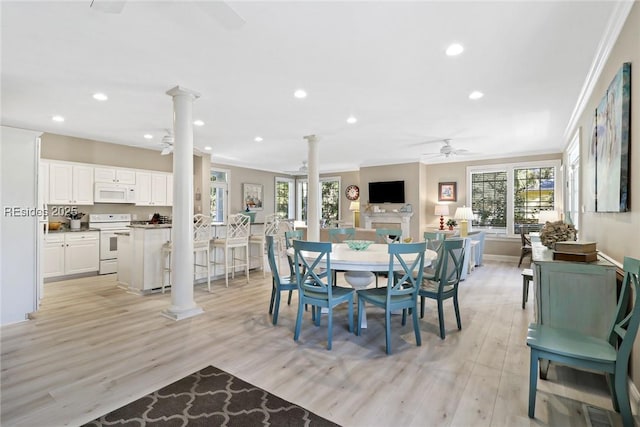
pixel 329 199
pixel 218 192
pixel 503 197
pixel 573 182
pixel 285 198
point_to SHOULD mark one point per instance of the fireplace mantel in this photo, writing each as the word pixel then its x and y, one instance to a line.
pixel 402 218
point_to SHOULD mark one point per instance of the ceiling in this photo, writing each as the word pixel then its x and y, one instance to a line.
pixel 382 62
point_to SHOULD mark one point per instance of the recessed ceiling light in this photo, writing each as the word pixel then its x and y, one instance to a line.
pixel 57 118
pixel 476 95
pixel 351 120
pixel 148 136
pixel 198 123
pixel 300 94
pixel 258 139
pixel 100 96
pixel 454 49
pixel 207 148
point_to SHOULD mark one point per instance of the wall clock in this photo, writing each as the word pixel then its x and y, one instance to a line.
pixel 352 192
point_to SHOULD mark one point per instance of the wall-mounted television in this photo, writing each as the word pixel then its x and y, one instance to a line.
pixel 386 192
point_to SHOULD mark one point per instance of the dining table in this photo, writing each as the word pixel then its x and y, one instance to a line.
pixel 357 263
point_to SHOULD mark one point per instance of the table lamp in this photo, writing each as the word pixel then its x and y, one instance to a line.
pixel 442 210
pixel 464 214
pixel 355 208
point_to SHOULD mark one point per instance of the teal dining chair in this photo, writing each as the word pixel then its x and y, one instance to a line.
pixel 401 292
pixel 278 283
pixel 445 283
pixel 434 241
pixel 289 237
pixel 388 235
pixel 315 286
pixel 610 355
pixel 339 235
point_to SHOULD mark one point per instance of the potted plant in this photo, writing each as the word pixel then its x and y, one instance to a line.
pixel 451 223
pixel 74 219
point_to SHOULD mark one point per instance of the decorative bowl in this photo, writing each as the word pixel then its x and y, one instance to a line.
pixel 54 225
pixel 358 245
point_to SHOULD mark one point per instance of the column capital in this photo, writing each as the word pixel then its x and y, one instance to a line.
pixel 179 90
pixel 311 138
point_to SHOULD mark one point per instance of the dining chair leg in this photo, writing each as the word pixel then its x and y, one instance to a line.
pixel 441 318
pixel 296 334
pixel 276 308
pixel 611 383
pixel 350 314
pixel 330 327
pixel 416 327
pixel 273 297
pixel 533 382
pixel 622 395
pixel 422 307
pixel 456 308
pixel 387 329
pixel 289 299
pixel 404 316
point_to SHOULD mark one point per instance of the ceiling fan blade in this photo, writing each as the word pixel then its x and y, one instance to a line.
pixel 167 150
pixel 222 12
pixel 461 151
pixel 108 6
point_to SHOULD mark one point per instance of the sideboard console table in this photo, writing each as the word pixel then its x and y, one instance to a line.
pixel 573 295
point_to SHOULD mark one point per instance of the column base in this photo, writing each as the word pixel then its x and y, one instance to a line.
pixel 182 314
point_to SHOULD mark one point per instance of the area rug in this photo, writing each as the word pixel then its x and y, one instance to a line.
pixel 210 397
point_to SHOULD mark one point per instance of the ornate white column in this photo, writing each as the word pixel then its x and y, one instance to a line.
pixel 182 302
pixel 313 179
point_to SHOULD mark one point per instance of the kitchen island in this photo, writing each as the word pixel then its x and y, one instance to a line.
pixel 140 257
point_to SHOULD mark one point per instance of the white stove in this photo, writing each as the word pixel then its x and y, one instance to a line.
pixel 109 225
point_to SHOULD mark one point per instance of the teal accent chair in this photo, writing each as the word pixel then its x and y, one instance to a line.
pixel 278 283
pixel 315 286
pixel 583 351
pixel 388 235
pixel 401 292
pixel 339 235
pixel 445 283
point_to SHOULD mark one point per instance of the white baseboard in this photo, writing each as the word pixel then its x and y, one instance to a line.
pixel 502 258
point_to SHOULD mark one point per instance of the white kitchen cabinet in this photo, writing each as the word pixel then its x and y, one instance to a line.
pixel 53 255
pixel 71 253
pixel 70 184
pixel 114 175
pixel 82 252
pixel 151 189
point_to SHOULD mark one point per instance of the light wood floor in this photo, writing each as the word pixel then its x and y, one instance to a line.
pixel 93 348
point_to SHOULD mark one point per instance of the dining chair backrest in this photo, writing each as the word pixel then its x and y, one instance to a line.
pixel 271 257
pixel 289 237
pixel 450 262
pixel 407 278
pixel 434 240
pixel 338 235
pixel 201 228
pixel 238 229
pixel 388 235
pixel 625 324
pixel 311 272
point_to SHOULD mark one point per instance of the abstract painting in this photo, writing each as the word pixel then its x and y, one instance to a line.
pixel 612 144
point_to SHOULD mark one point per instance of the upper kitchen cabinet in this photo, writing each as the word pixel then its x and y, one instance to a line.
pixel 114 175
pixel 70 184
pixel 151 189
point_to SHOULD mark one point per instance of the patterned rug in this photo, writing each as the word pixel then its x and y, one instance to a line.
pixel 210 397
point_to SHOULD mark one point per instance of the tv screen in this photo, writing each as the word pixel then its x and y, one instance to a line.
pixel 386 192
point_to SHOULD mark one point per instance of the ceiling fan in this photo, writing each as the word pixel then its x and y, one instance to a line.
pixel 219 10
pixel 447 150
pixel 167 141
pixel 301 171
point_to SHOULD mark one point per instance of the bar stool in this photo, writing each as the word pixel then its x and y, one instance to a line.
pixel 201 239
pixel 270 229
pixel 237 238
pixel 527 276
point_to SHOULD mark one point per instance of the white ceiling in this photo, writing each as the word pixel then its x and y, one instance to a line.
pixel 383 62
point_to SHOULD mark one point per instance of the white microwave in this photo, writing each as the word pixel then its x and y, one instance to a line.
pixel 114 193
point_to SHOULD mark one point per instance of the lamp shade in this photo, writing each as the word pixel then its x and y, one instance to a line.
pixel 550 216
pixel 464 213
pixel 354 206
pixel 441 210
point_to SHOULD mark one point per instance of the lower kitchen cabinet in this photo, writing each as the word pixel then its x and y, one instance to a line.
pixel 71 253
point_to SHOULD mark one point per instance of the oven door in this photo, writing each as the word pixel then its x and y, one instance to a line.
pixel 108 244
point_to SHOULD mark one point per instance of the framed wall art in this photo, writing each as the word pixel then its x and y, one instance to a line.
pixel 613 121
pixel 447 192
pixel 252 196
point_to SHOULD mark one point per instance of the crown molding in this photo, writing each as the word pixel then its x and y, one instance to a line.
pixel 608 41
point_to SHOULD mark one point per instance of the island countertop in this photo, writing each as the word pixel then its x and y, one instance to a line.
pixel 150 226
